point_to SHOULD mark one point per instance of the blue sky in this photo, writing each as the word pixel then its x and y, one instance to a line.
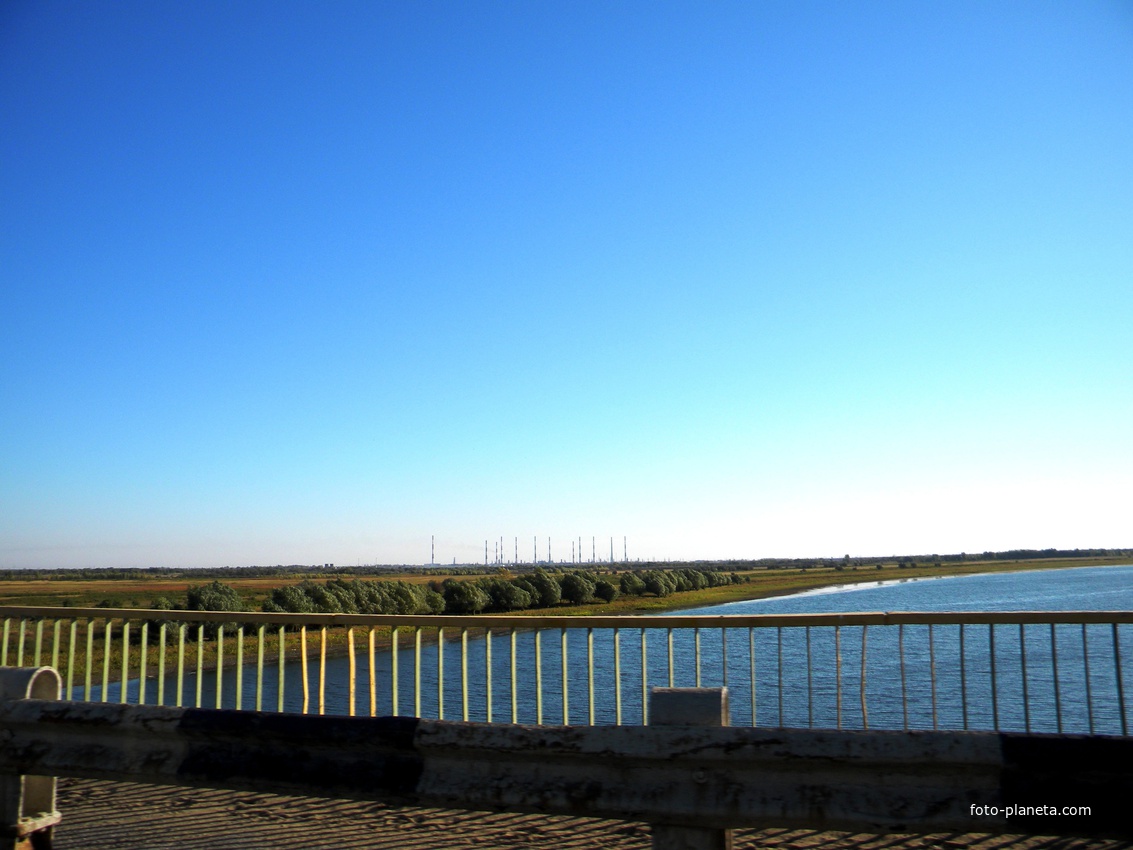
pixel 298 283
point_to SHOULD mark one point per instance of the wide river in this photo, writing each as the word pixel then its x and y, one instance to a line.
pixel 915 678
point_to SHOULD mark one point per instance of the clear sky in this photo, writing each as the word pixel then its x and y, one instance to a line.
pixel 310 282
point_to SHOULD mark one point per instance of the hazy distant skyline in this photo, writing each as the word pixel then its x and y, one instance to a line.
pixel 308 283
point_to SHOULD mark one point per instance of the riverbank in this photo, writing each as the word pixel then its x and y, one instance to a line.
pixel 763 584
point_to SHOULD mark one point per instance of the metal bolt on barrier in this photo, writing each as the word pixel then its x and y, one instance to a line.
pixel 27 803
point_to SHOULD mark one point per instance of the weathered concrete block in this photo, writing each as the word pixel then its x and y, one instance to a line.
pixel 688 707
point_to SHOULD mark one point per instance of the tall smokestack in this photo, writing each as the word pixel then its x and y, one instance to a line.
pixel 432 549
pixel 625 549
pixel 611 550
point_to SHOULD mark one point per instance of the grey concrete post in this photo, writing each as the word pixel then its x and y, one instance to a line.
pixel 689 707
pixel 27 803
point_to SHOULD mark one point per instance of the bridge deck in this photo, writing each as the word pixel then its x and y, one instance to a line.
pixel 123 816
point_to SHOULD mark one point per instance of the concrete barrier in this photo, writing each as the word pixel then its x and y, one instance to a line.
pixel 27 803
pixel 698 777
pixel 705 707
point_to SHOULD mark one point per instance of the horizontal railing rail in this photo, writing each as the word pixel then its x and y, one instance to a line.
pixel 1044 671
pixel 680 775
pixel 867 618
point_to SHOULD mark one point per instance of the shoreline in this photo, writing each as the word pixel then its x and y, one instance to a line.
pixel 778 583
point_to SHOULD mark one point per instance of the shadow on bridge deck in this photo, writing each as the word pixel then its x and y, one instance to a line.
pixel 124 816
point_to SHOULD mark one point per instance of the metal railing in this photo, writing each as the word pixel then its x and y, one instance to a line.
pixel 1010 671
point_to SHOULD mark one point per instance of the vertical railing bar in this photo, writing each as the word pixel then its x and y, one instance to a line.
pixel 200 661
pixel 351 672
pixel 440 673
pixel 865 713
pixel 281 664
pixel 161 664
pixel 240 667
pixel 696 638
pixel 838 675
pixel 724 654
pixel 779 642
pixel 488 675
pixel 20 643
pixel 1086 671
pixel 38 642
pixel 371 647
pixel 464 674
pixel 1120 684
pixel 538 678
pixel 56 641
pixel 751 659
pixel 219 663
pixel 514 692
pixel 181 629
pixel 89 660
pixel 74 633
pixel 617 678
pixel 261 636
pixel 963 680
pixel 395 671
pixel 416 671
pixel 565 685
pixel 590 675
pixel 904 692
pixel 303 668
pixel 994 687
pixel 322 669
pixel 1054 675
pixel 809 684
pixel 932 670
pixel 125 669
pixel 107 645
pixel 142 658
pixel 670 642
pixel 4 648
pixel 1023 668
pixel 644 682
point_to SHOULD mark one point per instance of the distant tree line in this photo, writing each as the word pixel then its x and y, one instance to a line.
pixel 730 565
pixel 499 593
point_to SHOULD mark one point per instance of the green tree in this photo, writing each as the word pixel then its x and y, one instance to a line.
pixel 464 597
pixel 577 589
pixel 214 596
pixel 631 585
pixel 606 590
pixel 545 591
